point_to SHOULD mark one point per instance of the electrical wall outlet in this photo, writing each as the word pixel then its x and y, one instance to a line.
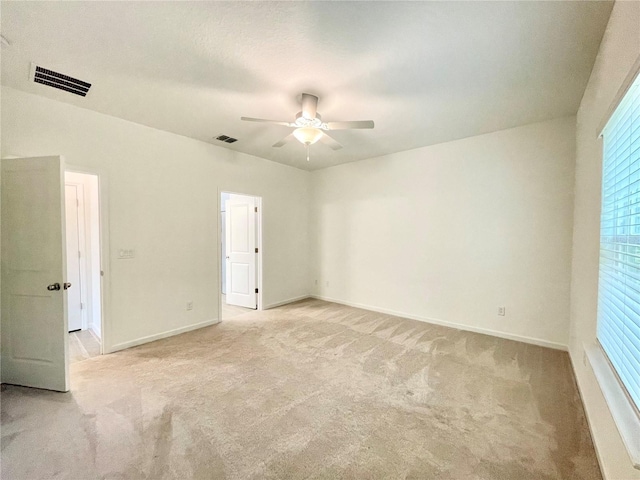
pixel 502 311
pixel 190 305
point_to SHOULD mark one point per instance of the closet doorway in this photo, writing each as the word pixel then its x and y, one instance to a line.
pixel 240 254
pixel 84 303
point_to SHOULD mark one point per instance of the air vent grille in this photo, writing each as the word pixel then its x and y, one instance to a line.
pixel 226 139
pixel 63 82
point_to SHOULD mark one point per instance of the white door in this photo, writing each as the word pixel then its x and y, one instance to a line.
pixel 74 298
pixel 34 324
pixel 223 225
pixel 240 212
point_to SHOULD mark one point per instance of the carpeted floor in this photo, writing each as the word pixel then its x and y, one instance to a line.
pixel 310 390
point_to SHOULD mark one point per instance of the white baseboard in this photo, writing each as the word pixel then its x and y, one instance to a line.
pixel 285 302
pixel 159 336
pixel 95 334
pixel 445 323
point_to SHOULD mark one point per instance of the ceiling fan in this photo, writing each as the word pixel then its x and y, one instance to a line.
pixel 309 127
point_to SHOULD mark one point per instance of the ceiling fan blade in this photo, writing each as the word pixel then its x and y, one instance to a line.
pixel 327 140
pixel 350 125
pixel 309 106
pixel 285 140
pixel 263 120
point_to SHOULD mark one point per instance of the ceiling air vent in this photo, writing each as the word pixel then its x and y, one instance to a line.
pixel 59 80
pixel 226 139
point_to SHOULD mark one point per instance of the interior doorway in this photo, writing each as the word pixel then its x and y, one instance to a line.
pixel 240 254
pixel 84 302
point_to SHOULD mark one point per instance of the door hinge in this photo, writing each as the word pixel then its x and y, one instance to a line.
pixel 256 290
pixel 77 202
pixel 79 254
pixel 256 209
pixel 81 306
pixel 256 249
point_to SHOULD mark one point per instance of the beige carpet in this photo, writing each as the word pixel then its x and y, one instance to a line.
pixel 310 390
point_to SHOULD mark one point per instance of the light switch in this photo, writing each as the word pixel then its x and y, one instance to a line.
pixel 126 253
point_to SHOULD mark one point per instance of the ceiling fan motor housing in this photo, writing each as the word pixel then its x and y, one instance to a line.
pixel 302 121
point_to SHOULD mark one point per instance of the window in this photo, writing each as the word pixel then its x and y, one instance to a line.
pixel 619 283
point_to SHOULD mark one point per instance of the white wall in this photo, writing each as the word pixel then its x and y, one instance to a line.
pixel 619 50
pixel 452 231
pixel 163 194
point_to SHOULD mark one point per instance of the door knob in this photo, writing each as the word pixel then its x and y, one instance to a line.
pixel 66 285
pixel 53 287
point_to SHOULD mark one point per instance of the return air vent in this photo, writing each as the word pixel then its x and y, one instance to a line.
pixel 58 80
pixel 226 139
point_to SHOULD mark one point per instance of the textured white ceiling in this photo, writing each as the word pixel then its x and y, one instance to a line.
pixel 425 72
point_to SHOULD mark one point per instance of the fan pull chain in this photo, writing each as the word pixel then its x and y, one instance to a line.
pixel 307 152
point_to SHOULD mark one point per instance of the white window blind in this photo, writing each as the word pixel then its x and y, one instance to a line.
pixel 619 283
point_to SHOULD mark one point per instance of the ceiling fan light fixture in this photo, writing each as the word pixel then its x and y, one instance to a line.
pixel 307 135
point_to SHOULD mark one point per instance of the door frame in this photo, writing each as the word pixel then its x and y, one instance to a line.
pixel 103 200
pixel 259 282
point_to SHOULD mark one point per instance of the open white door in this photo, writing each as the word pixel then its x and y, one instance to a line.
pixel 74 297
pixel 240 213
pixel 34 323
